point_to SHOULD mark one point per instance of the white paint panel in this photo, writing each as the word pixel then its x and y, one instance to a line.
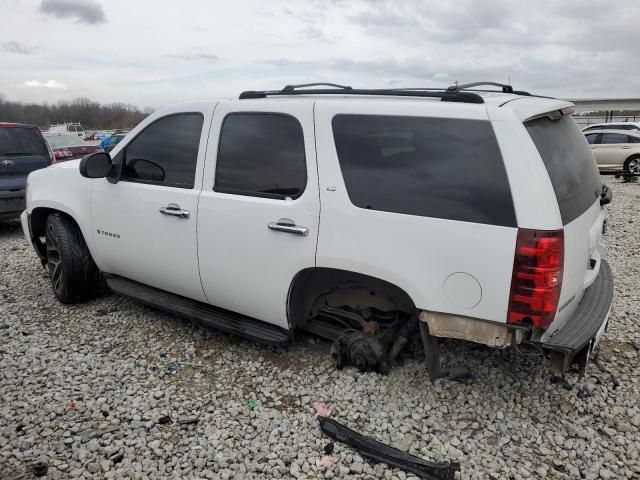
pixel 246 267
pixel 415 253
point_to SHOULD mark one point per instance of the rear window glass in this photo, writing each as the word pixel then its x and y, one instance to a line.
pixel 569 162
pixel 431 167
pixel 61 141
pixel 21 141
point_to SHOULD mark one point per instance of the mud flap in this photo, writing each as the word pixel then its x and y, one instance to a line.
pixel 391 456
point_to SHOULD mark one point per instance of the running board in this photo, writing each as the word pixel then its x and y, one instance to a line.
pixel 224 320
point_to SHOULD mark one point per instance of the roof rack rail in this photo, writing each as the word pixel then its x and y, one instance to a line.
pixel 443 95
pixel 504 87
pixel 289 88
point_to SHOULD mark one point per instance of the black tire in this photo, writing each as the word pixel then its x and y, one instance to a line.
pixel 632 165
pixel 73 273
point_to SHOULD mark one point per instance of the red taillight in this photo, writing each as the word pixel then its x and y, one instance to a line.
pixel 58 154
pixel 537 276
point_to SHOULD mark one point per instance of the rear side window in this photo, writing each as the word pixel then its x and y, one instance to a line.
pixel 569 162
pixel 170 143
pixel 611 138
pixel 262 155
pixel 431 167
pixel 16 141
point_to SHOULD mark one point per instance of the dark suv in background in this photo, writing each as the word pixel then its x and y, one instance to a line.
pixel 22 150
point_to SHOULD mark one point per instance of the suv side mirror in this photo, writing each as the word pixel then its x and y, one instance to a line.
pixel 95 165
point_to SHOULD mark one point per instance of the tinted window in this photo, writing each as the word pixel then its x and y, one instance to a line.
pixel 432 167
pixel 21 141
pixel 592 137
pixel 261 154
pixel 170 143
pixel 631 139
pixel 610 138
pixel 569 162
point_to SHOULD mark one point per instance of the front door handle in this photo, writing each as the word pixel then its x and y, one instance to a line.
pixel 287 226
pixel 174 210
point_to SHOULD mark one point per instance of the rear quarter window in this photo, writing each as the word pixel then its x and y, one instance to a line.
pixel 431 167
pixel 569 162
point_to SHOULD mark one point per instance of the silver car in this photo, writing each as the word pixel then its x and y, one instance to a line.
pixel 616 150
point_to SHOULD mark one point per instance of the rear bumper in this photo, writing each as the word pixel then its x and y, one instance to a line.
pixel 582 332
pixel 12 203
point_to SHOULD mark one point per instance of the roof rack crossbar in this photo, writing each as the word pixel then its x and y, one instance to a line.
pixel 443 95
pixel 288 88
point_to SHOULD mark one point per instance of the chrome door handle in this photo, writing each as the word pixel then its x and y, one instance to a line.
pixel 174 210
pixel 281 226
pixel 626 146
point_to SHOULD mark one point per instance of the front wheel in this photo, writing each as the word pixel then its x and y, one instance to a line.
pixel 632 165
pixel 73 273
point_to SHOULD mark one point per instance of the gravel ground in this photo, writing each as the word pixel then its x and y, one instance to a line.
pixel 85 389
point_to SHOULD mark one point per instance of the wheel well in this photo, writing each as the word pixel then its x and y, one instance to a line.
pixel 631 157
pixel 316 288
pixel 38 221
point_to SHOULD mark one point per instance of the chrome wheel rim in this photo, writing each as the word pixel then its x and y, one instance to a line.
pixel 634 166
pixel 53 260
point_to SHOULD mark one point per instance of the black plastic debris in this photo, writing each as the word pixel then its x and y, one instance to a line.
pixel 117 457
pixel 164 420
pixel 39 469
pixel 384 453
pixel 328 448
pixel 174 367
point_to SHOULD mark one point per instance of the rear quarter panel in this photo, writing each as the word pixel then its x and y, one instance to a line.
pixel 415 253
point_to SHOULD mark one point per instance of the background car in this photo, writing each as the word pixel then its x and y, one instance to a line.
pixel 109 143
pixel 613 126
pixel 68 147
pixel 22 150
pixel 616 150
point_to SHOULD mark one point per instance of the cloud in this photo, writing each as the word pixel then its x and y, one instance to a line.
pixel 195 57
pixel 53 84
pixel 83 11
pixel 17 48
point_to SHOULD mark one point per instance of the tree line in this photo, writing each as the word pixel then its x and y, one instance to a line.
pixel 91 114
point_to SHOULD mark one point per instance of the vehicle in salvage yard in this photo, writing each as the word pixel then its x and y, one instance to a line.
pixel 617 151
pixel 69 147
pixel 22 150
pixel 363 216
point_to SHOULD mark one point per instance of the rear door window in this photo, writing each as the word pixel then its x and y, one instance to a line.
pixel 431 167
pixel 21 141
pixel 569 162
pixel 261 155
pixel 613 138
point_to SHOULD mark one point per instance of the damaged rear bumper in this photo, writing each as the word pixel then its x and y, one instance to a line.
pixel 580 335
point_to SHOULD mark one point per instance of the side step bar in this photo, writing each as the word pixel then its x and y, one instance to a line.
pixel 226 321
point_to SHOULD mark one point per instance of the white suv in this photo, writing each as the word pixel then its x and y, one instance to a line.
pixel 358 215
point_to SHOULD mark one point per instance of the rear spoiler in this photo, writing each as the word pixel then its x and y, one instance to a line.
pixel 553 114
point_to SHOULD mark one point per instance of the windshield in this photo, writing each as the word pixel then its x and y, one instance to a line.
pixel 21 141
pixel 62 141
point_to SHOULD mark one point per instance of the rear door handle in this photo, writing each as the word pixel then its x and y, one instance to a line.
pixel 626 146
pixel 174 210
pixel 288 227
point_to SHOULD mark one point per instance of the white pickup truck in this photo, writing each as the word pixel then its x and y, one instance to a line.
pixel 363 216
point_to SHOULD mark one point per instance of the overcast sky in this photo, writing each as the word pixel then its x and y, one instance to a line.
pixel 153 52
